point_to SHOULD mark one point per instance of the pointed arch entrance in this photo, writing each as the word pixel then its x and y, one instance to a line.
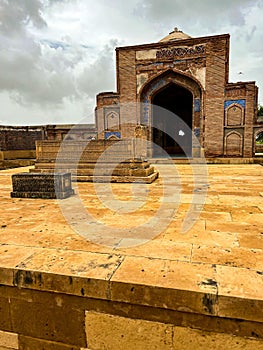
pixel 174 100
pixel 171 108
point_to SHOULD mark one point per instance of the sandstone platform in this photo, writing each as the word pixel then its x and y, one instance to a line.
pixel 95 161
pixel 199 290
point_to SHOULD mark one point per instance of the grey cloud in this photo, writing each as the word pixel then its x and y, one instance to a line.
pixel 206 12
pixel 16 13
pixel 45 67
pixel 100 73
pixel 35 72
pixel 32 80
pixel 49 72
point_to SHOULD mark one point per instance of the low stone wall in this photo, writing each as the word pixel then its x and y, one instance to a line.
pixel 17 158
pixel 64 311
pixel 17 154
pixel 19 137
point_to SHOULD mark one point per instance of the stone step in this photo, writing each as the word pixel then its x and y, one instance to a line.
pixel 99 171
pixel 256 160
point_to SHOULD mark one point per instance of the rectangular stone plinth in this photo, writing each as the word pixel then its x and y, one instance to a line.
pixel 125 172
pixel 95 161
pixel 41 185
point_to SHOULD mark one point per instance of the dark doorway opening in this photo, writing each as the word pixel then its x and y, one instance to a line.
pixel 177 106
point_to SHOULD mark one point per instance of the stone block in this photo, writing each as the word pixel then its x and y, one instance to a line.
pixel 8 340
pixel 54 323
pixel 5 322
pixel 175 285
pixel 28 343
pixel 42 185
pixel 79 273
pixel 188 339
pixel 111 332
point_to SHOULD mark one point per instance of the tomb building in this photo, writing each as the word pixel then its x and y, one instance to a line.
pixel 189 78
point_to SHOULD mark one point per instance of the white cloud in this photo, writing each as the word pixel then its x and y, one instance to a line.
pixel 56 55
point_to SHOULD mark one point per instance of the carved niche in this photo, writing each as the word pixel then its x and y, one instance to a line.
pixel 234 144
pixel 234 115
pixel 112 120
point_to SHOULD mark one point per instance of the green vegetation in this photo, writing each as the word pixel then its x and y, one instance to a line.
pixel 260 110
pixel 259 138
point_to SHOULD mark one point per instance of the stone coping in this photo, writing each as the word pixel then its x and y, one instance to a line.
pixel 215 269
pixel 207 289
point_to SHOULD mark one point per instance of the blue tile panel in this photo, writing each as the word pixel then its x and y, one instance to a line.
pixel 197 106
pixel 241 102
pixel 108 134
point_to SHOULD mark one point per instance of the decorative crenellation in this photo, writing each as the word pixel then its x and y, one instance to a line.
pixel 180 52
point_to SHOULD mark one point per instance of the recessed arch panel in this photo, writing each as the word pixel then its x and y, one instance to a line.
pixel 234 144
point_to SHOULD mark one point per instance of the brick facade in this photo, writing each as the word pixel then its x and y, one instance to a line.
pixel 224 115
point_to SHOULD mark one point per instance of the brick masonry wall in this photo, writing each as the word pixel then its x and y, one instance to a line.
pixel 251 110
pixel 127 86
pixel 19 138
pixel 217 55
pixel 104 100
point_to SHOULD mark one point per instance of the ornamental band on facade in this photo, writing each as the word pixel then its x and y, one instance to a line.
pixel 180 52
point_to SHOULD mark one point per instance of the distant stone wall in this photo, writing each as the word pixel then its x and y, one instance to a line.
pixel 15 138
pixel 19 138
pixel 71 132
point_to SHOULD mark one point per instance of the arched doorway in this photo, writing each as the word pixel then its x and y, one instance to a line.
pixel 177 110
pixel 179 94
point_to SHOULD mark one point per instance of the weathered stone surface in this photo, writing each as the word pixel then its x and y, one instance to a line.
pixel 8 340
pixel 110 332
pixel 28 343
pixel 117 333
pixel 177 286
pixel 5 320
pixel 48 271
pixel 95 161
pixel 49 186
pixel 187 339
pixel 54 323
pixel 71 272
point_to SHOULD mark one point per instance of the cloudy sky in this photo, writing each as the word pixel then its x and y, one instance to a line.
pixel 56 55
